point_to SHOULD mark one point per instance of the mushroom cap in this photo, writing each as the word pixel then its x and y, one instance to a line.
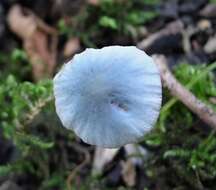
pixel 109 97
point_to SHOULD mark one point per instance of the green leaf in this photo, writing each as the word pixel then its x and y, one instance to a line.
pixel 108 22
pixel 176 153
pixel 18 55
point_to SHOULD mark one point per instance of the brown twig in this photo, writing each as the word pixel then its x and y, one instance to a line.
pixel 171 29
pixel 86 160
pixel 203 111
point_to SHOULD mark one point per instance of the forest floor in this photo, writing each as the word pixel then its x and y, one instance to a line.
pixel 37 37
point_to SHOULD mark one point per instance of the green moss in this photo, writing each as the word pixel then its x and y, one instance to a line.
pixel 118 18
pixel 185 146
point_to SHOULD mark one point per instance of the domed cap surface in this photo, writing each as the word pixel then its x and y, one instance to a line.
pixel 109 97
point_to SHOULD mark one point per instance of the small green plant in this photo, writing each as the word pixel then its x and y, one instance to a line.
pixel 19 104
pixel 12 62
pixel 28 119
pixel 212 1
pixel 119 18
pixel 183 145
pixel 20 99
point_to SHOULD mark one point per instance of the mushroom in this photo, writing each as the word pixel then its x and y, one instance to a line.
pixel 109 97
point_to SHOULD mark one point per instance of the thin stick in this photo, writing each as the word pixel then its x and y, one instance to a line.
pixel 86 160
pixel 171 29
pixel 203 111
pixel 172 101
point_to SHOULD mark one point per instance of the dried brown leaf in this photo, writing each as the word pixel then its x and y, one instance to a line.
pixel 35 35
pixel 128 173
